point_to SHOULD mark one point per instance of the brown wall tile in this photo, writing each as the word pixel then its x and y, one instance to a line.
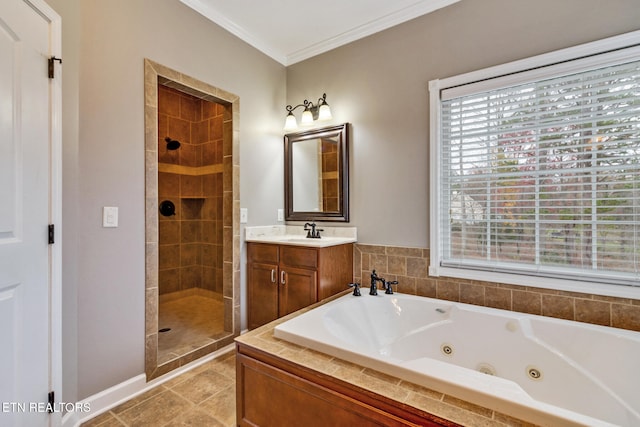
pixel 417 267
pixel 497 297
pixel 591 311
pixel 426 287
pixel 189 108
pixel 558 306
pixel 527 302
pixel 595 309
pixel 449 291
pixel 397 265
pixel 406 285
pixel 190 186
pixel 168 184
pixel 625 316
pixel 169 232
pixel 472 294
pixel 168 102
pixel 168 256
pixel 179 129
pixel 378 262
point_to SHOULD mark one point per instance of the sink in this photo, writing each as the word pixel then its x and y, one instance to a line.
pixel 304 241
pixel 296 236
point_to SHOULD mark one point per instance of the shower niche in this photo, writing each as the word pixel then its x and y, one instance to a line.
pixel 192 267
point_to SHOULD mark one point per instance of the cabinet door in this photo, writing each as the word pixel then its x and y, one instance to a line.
pixel 262 289
pixel 298 289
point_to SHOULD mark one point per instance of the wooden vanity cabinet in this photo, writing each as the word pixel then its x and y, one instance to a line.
pixel 284 278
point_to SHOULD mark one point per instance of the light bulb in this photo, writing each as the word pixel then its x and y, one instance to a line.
pixel 290 123
pixel 325 112
pixel 307 117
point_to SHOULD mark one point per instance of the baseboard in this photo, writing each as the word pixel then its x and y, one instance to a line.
pixel 113 396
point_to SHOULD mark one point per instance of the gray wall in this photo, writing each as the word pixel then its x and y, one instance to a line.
pixel 379 84
pixel 104 44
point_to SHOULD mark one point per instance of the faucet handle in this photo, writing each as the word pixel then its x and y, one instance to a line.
pixel 388 287
pixel 356 289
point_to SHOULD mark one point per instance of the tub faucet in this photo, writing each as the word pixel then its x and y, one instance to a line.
pixel 373 290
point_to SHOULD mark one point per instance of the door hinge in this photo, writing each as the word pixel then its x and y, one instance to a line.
pixel 51 400
pixel 51 68
pixel 52 233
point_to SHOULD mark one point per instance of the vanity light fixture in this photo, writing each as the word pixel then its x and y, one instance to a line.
pixel 319 111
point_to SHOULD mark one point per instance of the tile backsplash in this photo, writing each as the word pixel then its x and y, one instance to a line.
pixel 410 267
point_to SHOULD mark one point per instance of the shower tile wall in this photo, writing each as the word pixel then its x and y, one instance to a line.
pixel 191 177
pixel 330 182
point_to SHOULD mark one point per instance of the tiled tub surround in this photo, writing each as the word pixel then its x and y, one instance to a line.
pixel 155 73
pixel 410 267
pixel 391 390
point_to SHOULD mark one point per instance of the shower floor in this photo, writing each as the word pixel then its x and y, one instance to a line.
pixel 195 319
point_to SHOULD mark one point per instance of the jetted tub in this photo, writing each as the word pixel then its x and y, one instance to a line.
pixel 539 369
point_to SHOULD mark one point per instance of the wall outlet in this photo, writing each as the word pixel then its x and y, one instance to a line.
pixel 244 215
pixel 280 215
pixel 109 216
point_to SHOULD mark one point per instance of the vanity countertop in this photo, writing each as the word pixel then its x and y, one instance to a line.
pixel 296 235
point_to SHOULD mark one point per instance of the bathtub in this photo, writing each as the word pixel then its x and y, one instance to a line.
pixel 538 369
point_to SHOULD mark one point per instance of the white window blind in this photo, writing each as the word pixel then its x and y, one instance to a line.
pixel 542 176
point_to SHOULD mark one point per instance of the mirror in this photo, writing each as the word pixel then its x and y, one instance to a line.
pixel 316 174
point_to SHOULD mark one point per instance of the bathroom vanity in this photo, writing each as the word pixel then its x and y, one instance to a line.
pixel 284 278
pixel 287 271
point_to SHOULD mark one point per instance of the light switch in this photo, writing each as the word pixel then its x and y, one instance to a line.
pixel 280 215
pixel 110 216
pixel 244 215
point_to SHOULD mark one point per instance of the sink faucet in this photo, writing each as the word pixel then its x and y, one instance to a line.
pixel 313 232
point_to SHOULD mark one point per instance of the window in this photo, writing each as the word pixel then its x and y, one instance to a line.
pixel 537 172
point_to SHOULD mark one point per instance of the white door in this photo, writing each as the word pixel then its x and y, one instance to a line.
pixel 25 212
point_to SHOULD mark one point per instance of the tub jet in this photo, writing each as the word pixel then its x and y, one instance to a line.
pixel 172 144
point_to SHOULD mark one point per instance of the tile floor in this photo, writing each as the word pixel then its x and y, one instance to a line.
pixel 195 320
pixel 202 397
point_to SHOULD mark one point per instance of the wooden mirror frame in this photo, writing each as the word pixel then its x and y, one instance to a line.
pixel 342 134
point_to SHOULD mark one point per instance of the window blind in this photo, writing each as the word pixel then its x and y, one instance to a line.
pixel 542 177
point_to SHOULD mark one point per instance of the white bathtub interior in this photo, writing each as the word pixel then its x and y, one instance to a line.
pixel 533 366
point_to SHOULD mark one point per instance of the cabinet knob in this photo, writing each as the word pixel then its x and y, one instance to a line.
pixel 282 275
pixel 273 275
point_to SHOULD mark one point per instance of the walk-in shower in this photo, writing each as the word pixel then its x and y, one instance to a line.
pixel 191 307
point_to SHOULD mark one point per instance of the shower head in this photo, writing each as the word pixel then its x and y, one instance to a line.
pixel 172 144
